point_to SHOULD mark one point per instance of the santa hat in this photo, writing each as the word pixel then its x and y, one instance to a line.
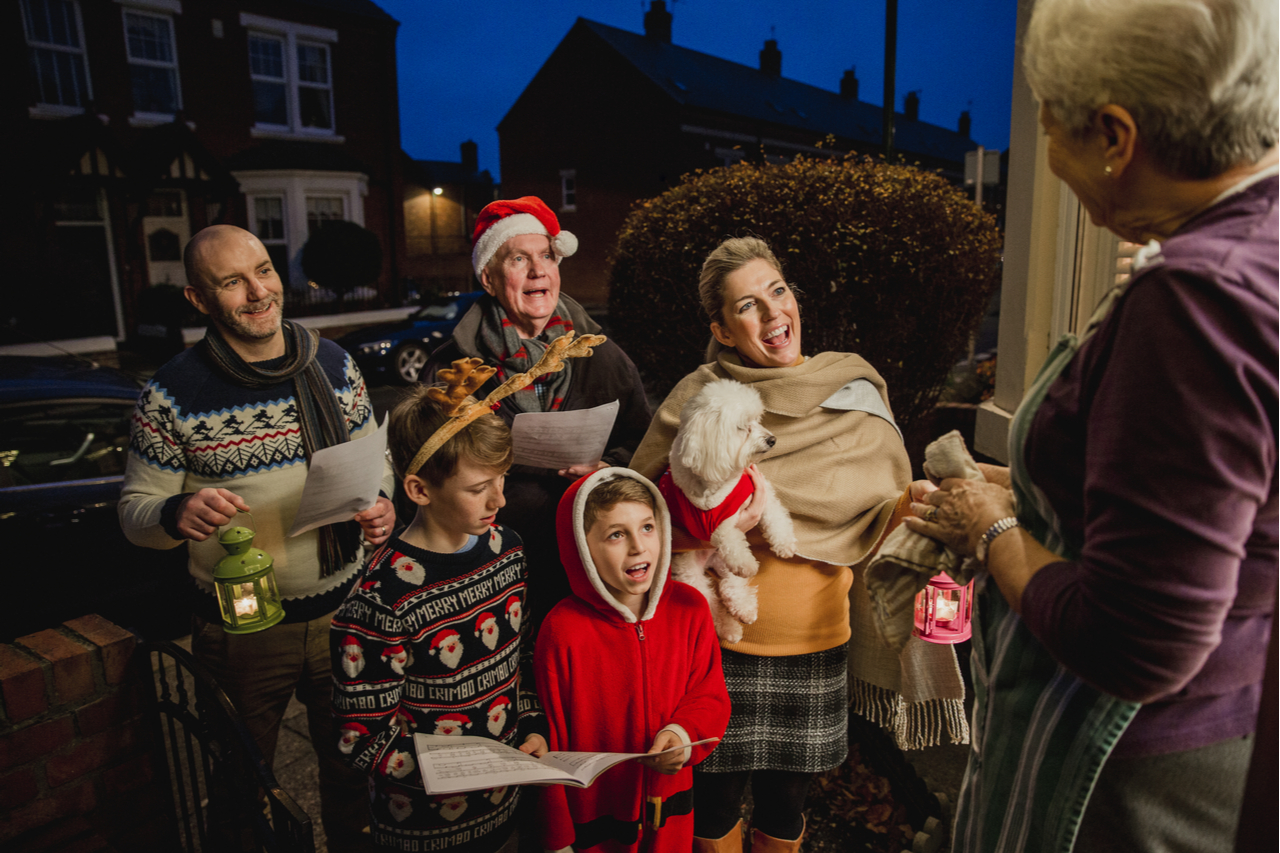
pixel 443 639
pixel 483 618
pixel 355 729
pixel 502 220
pixel 500 702
pixel 351 644
pixel 462 721
pixel 512 603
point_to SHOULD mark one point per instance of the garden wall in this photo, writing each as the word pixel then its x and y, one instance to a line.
pixel 80 759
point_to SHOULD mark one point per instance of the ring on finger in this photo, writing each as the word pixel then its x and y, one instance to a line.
pixel 384 530
pixel 933 513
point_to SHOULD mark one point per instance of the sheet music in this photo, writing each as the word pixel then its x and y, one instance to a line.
pixel 342 480
pixel 450 764
pixel 561 439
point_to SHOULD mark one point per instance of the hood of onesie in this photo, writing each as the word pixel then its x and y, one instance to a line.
pixel 574 553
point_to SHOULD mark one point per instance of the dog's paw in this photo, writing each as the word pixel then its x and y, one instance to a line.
pixel 729 632
pixel 746 569
pixel 742 604
pixel 785 550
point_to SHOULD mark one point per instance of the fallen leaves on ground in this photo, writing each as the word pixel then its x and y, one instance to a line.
pixel 852 801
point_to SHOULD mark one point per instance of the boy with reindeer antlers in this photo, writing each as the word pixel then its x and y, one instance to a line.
pixel 434 635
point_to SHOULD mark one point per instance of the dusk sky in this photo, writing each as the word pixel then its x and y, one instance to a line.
pixel 462 64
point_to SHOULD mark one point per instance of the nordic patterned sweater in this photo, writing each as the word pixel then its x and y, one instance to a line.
pixel 434 643
pixel 193 428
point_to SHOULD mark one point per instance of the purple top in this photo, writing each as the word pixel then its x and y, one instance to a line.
pixel 1157 449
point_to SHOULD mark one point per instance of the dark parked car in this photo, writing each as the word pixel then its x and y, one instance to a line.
pixel 397 352
pixel 64 436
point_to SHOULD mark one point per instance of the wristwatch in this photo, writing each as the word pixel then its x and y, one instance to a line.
pixel 1001 526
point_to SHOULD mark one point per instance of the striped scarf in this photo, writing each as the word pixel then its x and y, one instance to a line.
pixel 502 347
pixel 319 416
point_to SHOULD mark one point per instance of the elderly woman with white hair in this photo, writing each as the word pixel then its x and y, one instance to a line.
pixel 1119 655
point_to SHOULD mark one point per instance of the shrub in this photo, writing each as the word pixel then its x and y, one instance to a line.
pixel 891 262
pixel 341 256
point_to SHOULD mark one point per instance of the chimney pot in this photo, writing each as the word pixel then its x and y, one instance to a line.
pixel 470 157
pixel 771 58
pixel 965 123
pixel 849 85
pixel 911 107
pixel 657 22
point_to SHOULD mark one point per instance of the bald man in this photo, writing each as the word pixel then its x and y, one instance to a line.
pixel 228 426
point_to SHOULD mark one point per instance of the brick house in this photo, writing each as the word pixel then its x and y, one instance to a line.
pixel 441 201
pixel 139 122
pixel 635 112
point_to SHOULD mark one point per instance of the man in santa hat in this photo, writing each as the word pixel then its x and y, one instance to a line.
pixel 517 248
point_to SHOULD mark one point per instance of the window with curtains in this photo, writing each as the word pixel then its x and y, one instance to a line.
pixel 322 209
pixel 268 225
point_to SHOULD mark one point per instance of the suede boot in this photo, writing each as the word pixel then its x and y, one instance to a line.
pixel 761 843
pixel 730 843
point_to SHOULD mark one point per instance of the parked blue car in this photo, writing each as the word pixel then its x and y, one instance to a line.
pixel 64 437
pixel 397 352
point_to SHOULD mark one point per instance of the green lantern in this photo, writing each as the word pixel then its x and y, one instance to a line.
pixel 246 584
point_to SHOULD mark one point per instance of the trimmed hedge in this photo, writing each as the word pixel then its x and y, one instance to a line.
pixel 891 262
pixel 341 256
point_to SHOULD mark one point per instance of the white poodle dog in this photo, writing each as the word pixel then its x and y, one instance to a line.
pixel 720 435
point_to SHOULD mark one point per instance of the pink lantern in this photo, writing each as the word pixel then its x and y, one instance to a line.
pixel 944 610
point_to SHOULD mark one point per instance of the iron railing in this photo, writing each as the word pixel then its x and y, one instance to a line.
pixel 224 796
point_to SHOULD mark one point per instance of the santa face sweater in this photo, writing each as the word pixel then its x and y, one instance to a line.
pixel 610 682
pixel 193 428
pixel 434 643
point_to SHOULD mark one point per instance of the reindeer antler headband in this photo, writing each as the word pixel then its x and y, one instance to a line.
pixel 468 374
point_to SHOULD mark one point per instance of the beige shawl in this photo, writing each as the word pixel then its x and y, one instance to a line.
pixel 838 473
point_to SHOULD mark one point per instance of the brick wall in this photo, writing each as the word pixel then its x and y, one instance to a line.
pixel 78 743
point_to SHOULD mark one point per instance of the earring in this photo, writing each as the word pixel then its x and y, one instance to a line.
pixel 1107 170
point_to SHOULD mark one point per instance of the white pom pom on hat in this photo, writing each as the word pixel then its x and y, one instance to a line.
pixel 504 219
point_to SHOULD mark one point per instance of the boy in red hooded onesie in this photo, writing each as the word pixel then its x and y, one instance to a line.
pixel 629 663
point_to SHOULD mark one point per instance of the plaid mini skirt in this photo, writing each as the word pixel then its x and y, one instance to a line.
pixel 789 713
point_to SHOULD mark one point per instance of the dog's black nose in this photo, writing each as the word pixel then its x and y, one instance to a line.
pixel 771 441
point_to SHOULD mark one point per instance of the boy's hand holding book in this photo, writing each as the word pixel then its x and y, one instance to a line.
pixel 535 745
pixel 662 760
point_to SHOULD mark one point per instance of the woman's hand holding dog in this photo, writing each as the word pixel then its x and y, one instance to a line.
pixel 753 509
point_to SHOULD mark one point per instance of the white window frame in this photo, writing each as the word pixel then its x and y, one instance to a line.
pixel 292 34
pixel 1057 264
pixel 568 190
pixel 295 185
pixel 143 118
pixel 104 222
pixel 44 110
pixel 343 201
